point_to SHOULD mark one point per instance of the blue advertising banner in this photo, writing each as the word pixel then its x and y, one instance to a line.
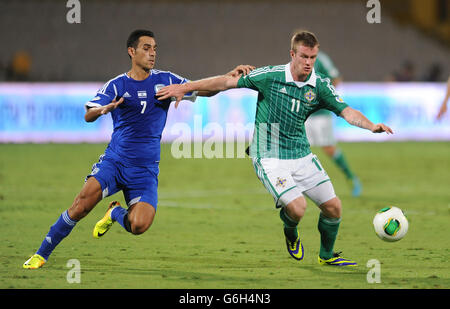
pixel 54 112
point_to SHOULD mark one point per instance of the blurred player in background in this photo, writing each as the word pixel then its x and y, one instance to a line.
pixel 131 161
pixel 287 95
pixel 319 126
pixel 443 108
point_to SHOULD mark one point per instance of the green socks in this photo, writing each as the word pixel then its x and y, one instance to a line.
pixel 341 162
pixel 328 228
pixel 290 226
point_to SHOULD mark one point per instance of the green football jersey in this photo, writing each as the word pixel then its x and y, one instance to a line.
pixel 326 68
pixel 282 108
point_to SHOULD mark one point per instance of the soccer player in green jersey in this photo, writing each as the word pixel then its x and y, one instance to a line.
pixel 280 151
pixel 319 126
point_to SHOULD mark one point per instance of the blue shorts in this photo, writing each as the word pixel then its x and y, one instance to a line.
pixel 138 183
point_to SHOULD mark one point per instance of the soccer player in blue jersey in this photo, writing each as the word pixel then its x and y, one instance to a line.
pixel 131 161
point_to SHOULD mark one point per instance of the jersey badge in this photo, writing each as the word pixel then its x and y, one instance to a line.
pixel 142 94
pixel 281 182
pixel 158 87
pixel 310 95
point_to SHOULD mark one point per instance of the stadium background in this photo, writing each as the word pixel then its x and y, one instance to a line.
pixel 49 68
pixel 197 39
pixel 201 38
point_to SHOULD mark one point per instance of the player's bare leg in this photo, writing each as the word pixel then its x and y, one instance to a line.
pixel 85 201
pixel 332 208
pixel 140 216
pixel 329 150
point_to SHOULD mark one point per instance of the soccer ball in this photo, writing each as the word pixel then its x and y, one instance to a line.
pixel 390 224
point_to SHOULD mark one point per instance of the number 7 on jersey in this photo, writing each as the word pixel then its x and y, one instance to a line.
pixel 144 105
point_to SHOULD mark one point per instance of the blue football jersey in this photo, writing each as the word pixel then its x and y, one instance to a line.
pixel 139 121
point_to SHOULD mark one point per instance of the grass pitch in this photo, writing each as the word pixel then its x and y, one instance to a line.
pixel 216 226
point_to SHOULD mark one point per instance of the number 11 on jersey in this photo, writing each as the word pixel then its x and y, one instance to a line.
pixel 295 102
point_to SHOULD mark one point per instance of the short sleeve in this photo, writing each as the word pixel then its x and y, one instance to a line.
pixel 110 91
pixel 176 79
pixel 255 80
pixel 330 99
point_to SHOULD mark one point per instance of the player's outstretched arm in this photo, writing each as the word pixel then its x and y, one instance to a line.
pixel 443 108
pixel 217 83
pixel 356 118
pixel 242 69
pixel 94 112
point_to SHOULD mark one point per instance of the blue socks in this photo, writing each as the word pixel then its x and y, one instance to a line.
pixel 64 225
pixel 120 215
pixel 58 231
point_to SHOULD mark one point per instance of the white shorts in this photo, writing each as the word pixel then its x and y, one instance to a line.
pixel 319 130
pixel 287 180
